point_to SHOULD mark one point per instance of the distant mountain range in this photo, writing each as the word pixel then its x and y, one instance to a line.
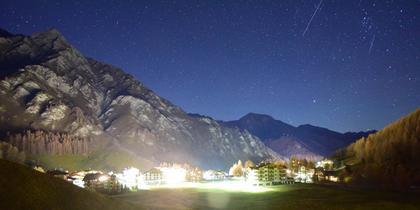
pixel 49 90
pixel 304 141
pixel 69 110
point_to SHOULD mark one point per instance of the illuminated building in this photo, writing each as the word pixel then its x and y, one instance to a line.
pixel 130 178
pixel 304 175
pixel 327 170
pixel 167 175
pixel 267 174
pixel 325 164
pixel 331 176
pixel 78 182
pixel 194 175
pixel 95 180
pixel 213 175
pixel 173 175
pixel 153 176
pixel 102 183
pixel 59 173
pixel 38 168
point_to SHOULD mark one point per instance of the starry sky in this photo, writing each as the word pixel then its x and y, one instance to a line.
pixel 344 65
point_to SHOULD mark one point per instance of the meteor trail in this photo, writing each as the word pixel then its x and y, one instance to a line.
pixel 371 43
pixel 313 15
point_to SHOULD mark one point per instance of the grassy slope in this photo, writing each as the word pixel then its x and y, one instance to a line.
pixel 284 197
pixel 24 188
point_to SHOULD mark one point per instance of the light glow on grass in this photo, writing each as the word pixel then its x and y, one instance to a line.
pixel 231 186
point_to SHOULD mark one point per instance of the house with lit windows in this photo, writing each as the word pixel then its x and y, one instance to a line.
pixel 267 174
pixel 153 176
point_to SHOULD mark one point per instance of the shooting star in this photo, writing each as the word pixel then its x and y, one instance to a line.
pixel 371 43
pixel 313 15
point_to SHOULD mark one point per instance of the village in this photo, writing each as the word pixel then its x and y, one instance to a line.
pixel 247 176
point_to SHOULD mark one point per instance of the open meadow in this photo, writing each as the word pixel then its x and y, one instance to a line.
pixel 298 196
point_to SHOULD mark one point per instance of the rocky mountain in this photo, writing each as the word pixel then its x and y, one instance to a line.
pixel 48 85
pixel 305 141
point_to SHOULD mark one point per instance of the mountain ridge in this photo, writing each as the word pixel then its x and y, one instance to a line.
pixel 305 141
pixel 49 85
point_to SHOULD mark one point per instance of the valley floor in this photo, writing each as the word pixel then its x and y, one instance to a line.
pixel 298 196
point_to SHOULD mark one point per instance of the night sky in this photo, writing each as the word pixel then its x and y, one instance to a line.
pixel 345 65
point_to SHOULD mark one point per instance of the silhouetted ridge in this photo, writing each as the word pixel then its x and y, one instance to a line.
pixel 304 141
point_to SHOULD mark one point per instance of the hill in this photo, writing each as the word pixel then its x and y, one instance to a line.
pixel 24 188
pixel 389 158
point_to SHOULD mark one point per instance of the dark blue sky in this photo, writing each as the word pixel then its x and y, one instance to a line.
pixel 345 65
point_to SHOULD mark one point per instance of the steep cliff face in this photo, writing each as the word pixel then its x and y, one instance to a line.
pixel 46 84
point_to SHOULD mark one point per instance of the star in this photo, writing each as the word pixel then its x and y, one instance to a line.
pixel 272 56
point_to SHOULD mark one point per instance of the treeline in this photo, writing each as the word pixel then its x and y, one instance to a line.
pixel 42 142
pixel 389 158
pixel 295 163
pixel 238 169
pixel 10 152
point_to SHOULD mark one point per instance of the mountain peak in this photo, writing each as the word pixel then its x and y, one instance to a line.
pixel 284 138
pixel 52 31
pixel 24 50
pixel 262 125
pixel 52 36
pixel 309 126
pixel 256 116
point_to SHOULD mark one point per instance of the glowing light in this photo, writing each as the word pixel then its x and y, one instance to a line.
pixel 305 176
pixel 207 175
pixel 130 178
pixel 103 178
pixel 173 175
pixel 324 163
pixel 79 183
pixel 131 173
pixel 333 178
pixel 212 175
pixel 252 177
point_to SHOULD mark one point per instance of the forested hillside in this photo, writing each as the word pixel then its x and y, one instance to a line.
pixel 389 158
pixel 41 142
